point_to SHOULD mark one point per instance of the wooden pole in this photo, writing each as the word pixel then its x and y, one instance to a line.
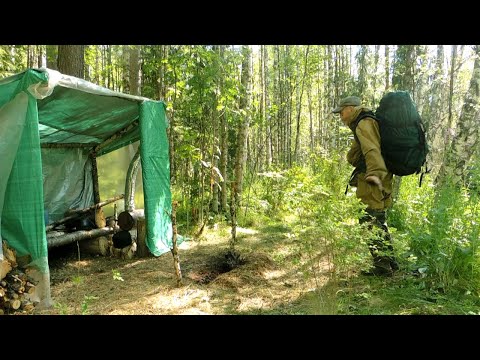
pixel 77 213
pixel 176 258
pixel 96 190
pixel 66 146
pixel 117 135
pixel 233 214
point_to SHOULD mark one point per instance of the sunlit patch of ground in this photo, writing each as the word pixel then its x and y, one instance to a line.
pixel 264 281
pixel 246 231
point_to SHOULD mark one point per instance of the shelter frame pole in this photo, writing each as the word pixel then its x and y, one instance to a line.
pixel 96 189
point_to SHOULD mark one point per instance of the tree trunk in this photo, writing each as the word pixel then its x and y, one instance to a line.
pixel 52 55
pixel 71 60
pixel 40 58
pixel 299 111
pixel 376 58
pixel 214 178
pixel 403 79
pixel 134 79
pixel 404 69
pixel 465 141
pixel 240 158
pixel 109 65
pixel 387 68
pixel 223 148
pixel 420 76
pixel 362 72
pixel 434 118
pixel 266 114
pixel 242 135
pixel 450 97
pixel 171 132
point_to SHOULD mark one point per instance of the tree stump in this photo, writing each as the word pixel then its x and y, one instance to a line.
pixel 142 249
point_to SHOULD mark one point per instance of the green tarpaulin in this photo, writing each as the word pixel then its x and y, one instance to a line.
pixel 63 120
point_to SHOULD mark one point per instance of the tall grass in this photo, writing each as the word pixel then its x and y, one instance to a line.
pixel 322 217
pixel 441 227
pixel 435 230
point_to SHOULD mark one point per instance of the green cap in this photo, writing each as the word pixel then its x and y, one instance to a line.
pixel 348 101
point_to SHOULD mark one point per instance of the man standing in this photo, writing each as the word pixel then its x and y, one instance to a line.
pixel 371 178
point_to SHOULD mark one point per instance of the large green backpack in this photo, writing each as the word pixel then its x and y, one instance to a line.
pixel 403 143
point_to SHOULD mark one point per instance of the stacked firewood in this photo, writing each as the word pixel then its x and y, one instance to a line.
pixel 16 286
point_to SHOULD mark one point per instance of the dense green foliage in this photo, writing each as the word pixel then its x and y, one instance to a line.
pixel 435 235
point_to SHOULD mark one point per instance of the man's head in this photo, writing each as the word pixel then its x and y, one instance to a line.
pixel 348 101
pixel 346 107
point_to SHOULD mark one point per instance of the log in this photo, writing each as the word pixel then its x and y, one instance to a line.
pixel 73 214
pixel 5 268
pixel 100 220
pixel 29 288
pixel 99 245
pixel 12 295
pixel 13 304
pixel 77 236
pixel 9 254
pixel 142 249
pixel 27 306
pixel 125 221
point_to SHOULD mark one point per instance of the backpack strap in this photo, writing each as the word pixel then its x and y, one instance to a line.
pixel 362 165
pixel 360 168
pixel 362 116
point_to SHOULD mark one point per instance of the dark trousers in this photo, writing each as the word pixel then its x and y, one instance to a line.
pixel 380 245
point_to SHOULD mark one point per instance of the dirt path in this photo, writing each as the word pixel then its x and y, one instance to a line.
pixel 273 279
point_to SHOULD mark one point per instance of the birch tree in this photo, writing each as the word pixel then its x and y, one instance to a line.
pixel 465 140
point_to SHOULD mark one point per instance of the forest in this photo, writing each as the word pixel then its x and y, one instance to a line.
pixel 258 169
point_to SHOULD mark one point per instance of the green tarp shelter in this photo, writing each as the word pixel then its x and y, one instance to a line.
pixel 50 125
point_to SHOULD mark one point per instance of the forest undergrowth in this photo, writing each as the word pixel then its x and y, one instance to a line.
pixel 302 253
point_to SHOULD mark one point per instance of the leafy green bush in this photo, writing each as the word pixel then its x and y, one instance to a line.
pixel 441 227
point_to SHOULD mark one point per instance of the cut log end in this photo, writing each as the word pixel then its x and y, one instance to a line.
pixel 125 221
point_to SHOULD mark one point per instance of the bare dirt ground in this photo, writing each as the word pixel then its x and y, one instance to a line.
pixel 273 278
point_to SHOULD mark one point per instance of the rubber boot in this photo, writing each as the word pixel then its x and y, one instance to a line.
pixel 380 246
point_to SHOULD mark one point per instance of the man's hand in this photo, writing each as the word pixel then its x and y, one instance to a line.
pixel 372 179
